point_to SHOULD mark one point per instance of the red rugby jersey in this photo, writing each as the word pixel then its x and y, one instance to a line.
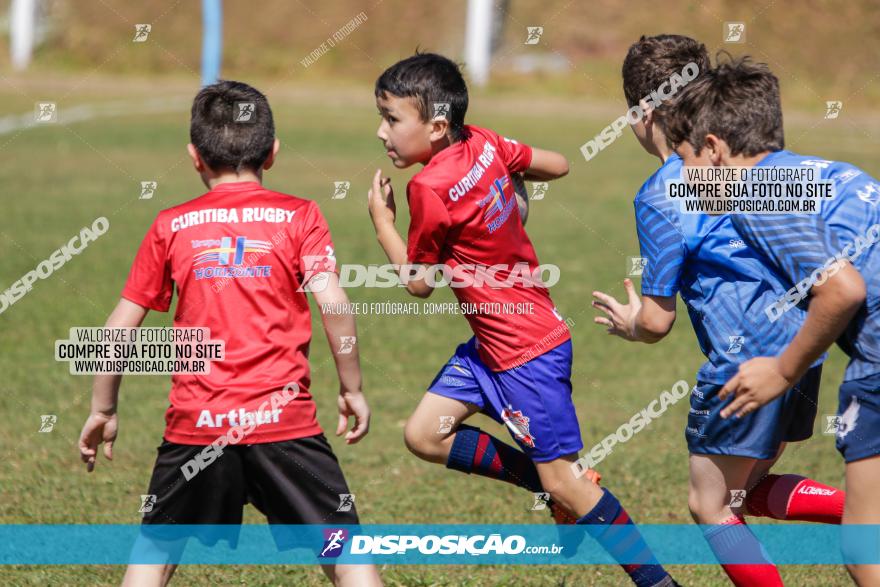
pixel 238 256
pixel 464 212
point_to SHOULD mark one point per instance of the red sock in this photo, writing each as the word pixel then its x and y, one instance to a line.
pixel 792 497
pixel 732 540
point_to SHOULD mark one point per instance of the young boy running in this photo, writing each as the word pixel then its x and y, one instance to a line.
pixel 238 256
pixel 517 368
pixel 726 286
pixel 733 117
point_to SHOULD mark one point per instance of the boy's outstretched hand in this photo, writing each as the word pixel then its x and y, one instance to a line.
pixel 621 317
pixel 382 207
pixel 353 403
pixel 97 429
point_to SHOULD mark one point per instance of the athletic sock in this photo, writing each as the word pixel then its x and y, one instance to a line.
pixel 474 451
pixel 731 541
pixel 793 497
pixel 610 525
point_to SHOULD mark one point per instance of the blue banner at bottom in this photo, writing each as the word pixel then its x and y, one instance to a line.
pixel 457 544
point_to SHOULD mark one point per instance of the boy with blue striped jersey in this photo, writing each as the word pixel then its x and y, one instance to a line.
pixel 725 285
pixel 732 118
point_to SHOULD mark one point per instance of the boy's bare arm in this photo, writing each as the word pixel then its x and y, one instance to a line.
pixel 762 379
pixel 546 166
pixel 383 212
pixel 101 425
pixel 341 331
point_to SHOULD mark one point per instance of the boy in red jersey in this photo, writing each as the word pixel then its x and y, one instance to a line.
pixel 240 256
pixel 517 368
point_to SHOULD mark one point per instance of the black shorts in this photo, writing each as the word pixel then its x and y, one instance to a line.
pixel 291 482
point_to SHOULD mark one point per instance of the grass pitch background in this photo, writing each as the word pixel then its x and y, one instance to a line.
pixel 59 178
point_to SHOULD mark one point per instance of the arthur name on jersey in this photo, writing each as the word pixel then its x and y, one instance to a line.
pixel 239 417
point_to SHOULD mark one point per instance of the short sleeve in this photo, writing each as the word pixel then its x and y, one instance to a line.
pixel 429 222
pixel 316 251
pixel 515 155
pixel 662 247
pixel 149 282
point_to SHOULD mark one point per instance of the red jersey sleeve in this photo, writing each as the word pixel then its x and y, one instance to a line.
pixel 429 222
pixel 316 254
pixel 515 155
pixel 149 282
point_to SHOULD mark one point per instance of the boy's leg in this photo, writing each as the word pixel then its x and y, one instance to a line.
pixel 604 519
pixel 534 402
pixel 863 507
pixel 465 448
pixel 430 430
pixel 215 495
pixel 352 575
pixel 789 496
pixel 435 431
pixel 858 440
pixel 148 575
pixel 300 482
pixel 713 500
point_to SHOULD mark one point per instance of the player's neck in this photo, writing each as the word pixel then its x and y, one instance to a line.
pixel 744 161
pixel 663 152
pixel 438 146
pixel 216 179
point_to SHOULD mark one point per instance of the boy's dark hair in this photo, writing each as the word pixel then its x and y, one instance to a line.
pixel 737 101
pixel 429 79
pixel 226 131
pixel 651 61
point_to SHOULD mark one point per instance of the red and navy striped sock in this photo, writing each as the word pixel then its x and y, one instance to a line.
pixel 610 525
pixel 474 451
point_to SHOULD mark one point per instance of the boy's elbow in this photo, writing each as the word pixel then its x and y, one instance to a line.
pixel 852 291
pixel 556 167
pixel 563 168
pixel 844 292
pixel 419 289
pixel 654 329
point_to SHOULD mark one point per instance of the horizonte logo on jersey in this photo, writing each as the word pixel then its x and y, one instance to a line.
pixel 243 423
pixel 628 429
pixel 820 275
pixel 56 260
pixel 499 276
pixel 634 115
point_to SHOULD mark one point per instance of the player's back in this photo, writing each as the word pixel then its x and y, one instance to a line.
pixel 726 285
pixel 465 215
pixel 236 257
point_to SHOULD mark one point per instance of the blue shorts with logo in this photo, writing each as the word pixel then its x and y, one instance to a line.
pixel 858 419
pixel 532 400
pixel 758 435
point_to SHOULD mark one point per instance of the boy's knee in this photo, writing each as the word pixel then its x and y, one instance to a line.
pixel 701 510
pixel 417 442
pixel 705 509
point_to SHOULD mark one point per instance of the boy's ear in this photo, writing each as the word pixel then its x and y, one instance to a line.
pixel 439 128
pixel 647 110
pixel 196 158
pixel 717 149
pixel 270 160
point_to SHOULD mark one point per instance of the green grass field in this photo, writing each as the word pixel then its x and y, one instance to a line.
pixel 59 178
